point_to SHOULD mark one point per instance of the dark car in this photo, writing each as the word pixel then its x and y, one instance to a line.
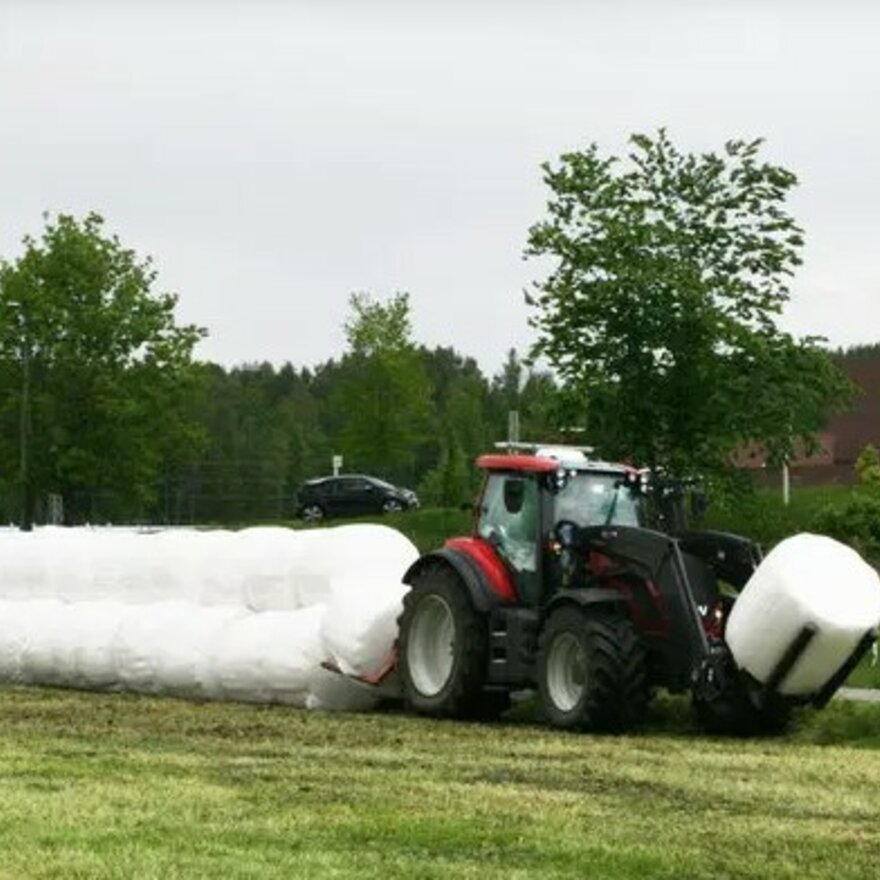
pixel 351 495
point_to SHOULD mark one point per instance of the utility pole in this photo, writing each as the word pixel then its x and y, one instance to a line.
pixel 27 500
pixel 513 426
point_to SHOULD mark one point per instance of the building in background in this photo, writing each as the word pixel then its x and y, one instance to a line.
pixel 845 436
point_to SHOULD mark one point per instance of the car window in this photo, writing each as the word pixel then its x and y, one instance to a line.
pixel 349 485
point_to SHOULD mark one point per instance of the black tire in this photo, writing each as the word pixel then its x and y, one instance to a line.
pixel 592 672
pixel 438 616
pixel 312 513
pixel 391 505
pixel 491 705
pixel 738 717
pixel 728 710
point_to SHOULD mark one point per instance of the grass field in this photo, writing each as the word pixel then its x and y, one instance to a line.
pixel 866 674
pixel 125 786
pixel 764 517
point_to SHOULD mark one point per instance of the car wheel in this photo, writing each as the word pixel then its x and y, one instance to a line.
pixel 392 505
pixel 312 513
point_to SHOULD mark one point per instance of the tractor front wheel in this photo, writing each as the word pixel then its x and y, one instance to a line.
pixel 591 670
pixel 443 647
pixel 724 705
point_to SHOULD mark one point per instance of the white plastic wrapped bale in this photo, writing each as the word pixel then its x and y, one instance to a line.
pixel 218 615
pixel 270 657
pixel 360 626
pixel 806 580
pixel 331 556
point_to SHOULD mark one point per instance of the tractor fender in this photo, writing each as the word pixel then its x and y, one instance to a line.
pixel 585 598
pixel 480 593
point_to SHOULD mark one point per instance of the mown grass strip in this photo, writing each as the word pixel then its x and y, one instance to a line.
pixel 120 786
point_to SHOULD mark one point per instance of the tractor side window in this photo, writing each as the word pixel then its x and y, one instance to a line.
pixel 509 519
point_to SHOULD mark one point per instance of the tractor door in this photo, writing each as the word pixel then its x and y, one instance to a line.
pixel 509 519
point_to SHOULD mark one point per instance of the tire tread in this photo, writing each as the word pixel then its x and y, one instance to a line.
pixel 463 695
pixel 616 695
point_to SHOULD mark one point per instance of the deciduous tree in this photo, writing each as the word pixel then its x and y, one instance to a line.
pixel 382 403
pixel 95 369
pixel 660 312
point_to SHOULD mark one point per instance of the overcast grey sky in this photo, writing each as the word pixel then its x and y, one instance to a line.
pixel 275 156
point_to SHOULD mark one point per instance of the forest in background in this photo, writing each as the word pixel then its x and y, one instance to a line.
pixel 259 430
pixel 265 429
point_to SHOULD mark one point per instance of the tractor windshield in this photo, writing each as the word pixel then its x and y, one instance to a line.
pixel 596 499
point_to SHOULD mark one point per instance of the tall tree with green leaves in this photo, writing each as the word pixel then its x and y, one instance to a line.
pixel 382 402
pixel 660 312
pixel 460 423
pixel 530 392
pixel 95 370
pixel 451 482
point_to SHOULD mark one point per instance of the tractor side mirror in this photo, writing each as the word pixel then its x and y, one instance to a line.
pixel 514 495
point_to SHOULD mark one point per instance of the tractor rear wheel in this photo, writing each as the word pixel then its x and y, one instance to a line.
pixel 444 647
pixel 591 670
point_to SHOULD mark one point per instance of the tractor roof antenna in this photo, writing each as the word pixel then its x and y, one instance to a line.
pixel 512 429
pixel 529 448
pixel 517 446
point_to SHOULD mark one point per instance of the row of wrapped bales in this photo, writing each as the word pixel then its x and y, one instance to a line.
pixel 247 615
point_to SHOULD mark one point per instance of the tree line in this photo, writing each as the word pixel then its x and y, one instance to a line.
pixel 105 415
pixel 418 422
pixel 658 316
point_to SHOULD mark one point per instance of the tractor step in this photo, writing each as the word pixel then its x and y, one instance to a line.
pixel 513 644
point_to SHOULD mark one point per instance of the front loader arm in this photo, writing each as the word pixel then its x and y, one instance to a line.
pixel 732 558
pixel 657 558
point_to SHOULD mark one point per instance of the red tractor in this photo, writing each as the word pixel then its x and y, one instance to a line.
pixel 562 587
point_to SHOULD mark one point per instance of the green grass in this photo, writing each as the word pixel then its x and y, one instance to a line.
pixel 427 528
pixel 123 786
pixel 866 674
pixel 763 517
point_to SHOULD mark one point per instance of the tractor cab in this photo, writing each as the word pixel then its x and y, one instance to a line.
pixel 528 499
